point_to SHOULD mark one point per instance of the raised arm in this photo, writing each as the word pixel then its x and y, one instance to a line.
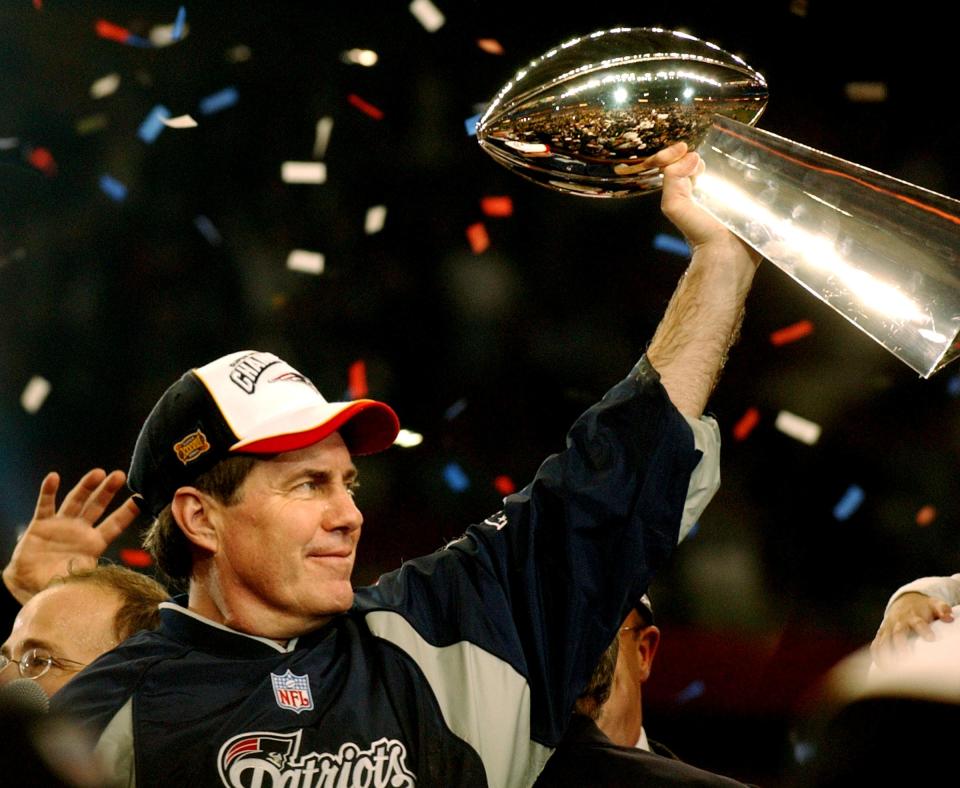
pixel 57 540
pixel 703 317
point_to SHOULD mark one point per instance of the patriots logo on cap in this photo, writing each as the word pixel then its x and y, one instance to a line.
pixel 292 691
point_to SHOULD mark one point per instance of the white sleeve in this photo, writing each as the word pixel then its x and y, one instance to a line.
pixel 705 479
pixel 946 588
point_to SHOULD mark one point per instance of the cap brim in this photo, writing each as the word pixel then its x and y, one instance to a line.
pixel 366 426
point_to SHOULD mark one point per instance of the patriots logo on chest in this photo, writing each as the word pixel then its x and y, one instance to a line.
pixel 292 691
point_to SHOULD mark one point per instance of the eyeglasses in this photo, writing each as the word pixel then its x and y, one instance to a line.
pixel 35 662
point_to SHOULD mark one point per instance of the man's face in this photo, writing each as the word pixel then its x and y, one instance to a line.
pixel 73 623
pixel 286 548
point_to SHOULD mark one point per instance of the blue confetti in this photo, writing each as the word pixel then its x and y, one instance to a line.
pixel 208 230
pixel 803 751
pixel 178 24
pixel 137 41
pixel 471 125
pixel 455 409
pixel 849 503
pixel 115 190
pixel 953 386
pixel 218 101
pixel 153 124
pixel 455 478
pixel 693 690
pixel 672 244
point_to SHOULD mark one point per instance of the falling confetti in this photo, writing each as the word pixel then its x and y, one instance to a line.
pixel 177 33
pixel 112 32
pixel 747 422
pixel 693 690
pixel 239 53
pixel 455 477
pixel 798 428
pixel 849 503
pixel 490 46
pixel 179 122
pixel 322 138
pixel 43 160
pixel 135 557
pixel 303 172
pixel 153 124
pixel 926 515
pixel 407 439
pixel 478 238
pixel 9 143
pixel 470 124
pixel 455 409
pixel 375 219
pixel 791 333
pixel 91 123
pixel 115 190
pixel 105 86
pixel 357 380
pixel 219 101
pixel 208 230
pixel 428 15
pixel 360 57
pixel 504 485
pixel 665 242
pixel 305 262
pixel 866 92
pixel 34 394
pixel 497 207
pixel 365 107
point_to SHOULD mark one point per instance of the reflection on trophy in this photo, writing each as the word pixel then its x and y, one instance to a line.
pixel 585 117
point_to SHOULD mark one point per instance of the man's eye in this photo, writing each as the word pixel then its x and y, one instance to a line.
pixel 352 488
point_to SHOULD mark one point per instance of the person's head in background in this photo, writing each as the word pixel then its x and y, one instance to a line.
pixel 613 697
pixel 74 620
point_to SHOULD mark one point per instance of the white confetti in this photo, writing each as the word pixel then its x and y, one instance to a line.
pixel 360 57
pixel 305 262
pixel 407 439
pixel 34 394
pixel 179 122
pixel 428 15
pixel 303 172
pixel 105 86
pixel 798 428
pixel 324 127
pixel 162 35
pixel 9 143
pixel 376 216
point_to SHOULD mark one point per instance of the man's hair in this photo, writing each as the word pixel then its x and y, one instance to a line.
pixel 167 544
pixel 598 688
pixel 140 595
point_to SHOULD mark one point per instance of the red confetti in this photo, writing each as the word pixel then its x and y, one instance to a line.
pixel 791 333
pixel 38 4
pixel 132 556
pixel 478 238
pixel 365 107
pixel 747 422
pixel 490 45
pixel 504 485
pixel 43 160
pixel 111 31
pixel 357 377
pixel 498 207
pixel 926 515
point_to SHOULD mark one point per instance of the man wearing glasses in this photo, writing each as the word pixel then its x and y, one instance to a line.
pixel 75 620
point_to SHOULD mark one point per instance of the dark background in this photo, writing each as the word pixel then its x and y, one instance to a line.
pixel 489 356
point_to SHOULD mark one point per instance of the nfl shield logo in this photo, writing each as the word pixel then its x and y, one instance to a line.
pixel 292 691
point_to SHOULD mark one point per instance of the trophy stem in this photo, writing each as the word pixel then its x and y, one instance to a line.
pixel 880 251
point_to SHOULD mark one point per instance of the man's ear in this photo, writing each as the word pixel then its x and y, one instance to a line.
pixel 648 639
pixel 196 512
